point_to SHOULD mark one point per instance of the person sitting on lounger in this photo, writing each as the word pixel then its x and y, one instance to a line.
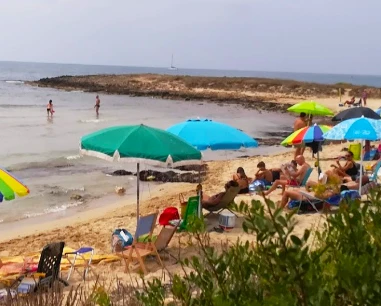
pixel 243 181
pixel 280 173
pixel 294 179
pixel 350 102
pixel 298 196
pixel 348 170
pixel 216 199
pixel 264 175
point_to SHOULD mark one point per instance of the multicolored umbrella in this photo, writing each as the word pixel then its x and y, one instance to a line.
pixel 139 143
pixel 311 108
pixel 9 186
pixel 306 135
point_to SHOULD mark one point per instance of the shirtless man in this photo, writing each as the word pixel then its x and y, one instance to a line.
pixel 97 104
pixel 299 123
pixel 294 178
pixel 264 174
pixel 215 199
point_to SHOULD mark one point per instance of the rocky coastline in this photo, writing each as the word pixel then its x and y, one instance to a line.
pixel 255 93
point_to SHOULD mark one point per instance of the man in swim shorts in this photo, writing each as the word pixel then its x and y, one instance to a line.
pixel 97 105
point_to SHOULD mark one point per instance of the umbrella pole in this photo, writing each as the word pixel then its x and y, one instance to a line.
pixel 137 190
pixel 199 192
pixel 361 166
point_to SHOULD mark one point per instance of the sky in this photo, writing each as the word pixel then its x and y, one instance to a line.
pixel 320 36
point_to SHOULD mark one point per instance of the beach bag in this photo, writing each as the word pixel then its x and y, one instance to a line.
pixel 169 214
pixel 257 185
pixel 120 239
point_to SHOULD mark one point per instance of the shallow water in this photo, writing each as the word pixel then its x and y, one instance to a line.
pixel 43 152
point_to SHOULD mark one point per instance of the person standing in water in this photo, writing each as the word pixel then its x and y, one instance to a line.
pixel 49 108
pixel 97 105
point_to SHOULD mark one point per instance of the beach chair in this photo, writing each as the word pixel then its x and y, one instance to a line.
pixel 226 200
pixel 72 257
pixel 305 178
pixel 139 250
pixel 314 201
pixel 164 238
pixel 47 271
pixel 369 155
pixel 190 212
pixel 374 176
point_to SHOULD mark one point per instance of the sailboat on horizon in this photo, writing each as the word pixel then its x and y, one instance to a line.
pixel 172 67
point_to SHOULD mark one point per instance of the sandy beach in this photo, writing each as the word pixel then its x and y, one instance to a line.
pixel 93 227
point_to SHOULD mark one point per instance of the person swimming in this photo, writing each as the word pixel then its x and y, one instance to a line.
pixel 97 105
pixel 49 108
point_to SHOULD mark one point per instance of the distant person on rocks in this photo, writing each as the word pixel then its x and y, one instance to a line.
pixel 97 105
pixel 299 123
pixel 364 97
pixel 49 108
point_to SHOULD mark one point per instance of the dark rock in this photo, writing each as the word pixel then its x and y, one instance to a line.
pixel 197 168
pixel 121 173
pixel 76 197
pixel 169 176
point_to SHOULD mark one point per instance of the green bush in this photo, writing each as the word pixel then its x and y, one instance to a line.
pixel 337 265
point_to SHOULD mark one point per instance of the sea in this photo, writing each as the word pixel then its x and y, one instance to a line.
pixel 44 152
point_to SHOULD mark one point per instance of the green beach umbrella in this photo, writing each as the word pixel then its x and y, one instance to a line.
pixel 311 108
pixel 139 144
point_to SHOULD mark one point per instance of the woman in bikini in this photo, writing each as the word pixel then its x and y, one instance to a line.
pixel 243 181
pixel 349 170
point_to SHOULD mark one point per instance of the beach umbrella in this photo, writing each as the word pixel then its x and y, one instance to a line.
pixel 310 108
pixel 10 186
pixel 356 129
pixel 308 134
pixel 378 111
pixel 139 144
pixel 356 112
pixel 208 134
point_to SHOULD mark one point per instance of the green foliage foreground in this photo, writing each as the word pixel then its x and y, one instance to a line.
pixel 337 265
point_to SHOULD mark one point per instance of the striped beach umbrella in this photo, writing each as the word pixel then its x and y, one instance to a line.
pixel 306 135
pixel 10 186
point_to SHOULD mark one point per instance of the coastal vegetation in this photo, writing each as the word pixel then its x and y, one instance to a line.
pixel 257 93
pixel 335 265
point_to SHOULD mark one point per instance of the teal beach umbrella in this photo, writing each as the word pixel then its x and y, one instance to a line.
pixel 139 144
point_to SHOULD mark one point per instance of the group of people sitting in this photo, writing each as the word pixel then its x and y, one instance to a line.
pixel 344 172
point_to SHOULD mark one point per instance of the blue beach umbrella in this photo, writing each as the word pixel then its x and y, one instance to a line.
pixel 208 134
pixel 356 129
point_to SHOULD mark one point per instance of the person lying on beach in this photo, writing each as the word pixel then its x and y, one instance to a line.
pixel 298 196
pixel 329 177
pixel 348 170
pixel 264 175
pixel 350 102
pixel 243 181
pixel 207 201
pixel 294 178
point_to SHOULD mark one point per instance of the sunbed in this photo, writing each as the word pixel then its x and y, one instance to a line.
pixel 226 200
